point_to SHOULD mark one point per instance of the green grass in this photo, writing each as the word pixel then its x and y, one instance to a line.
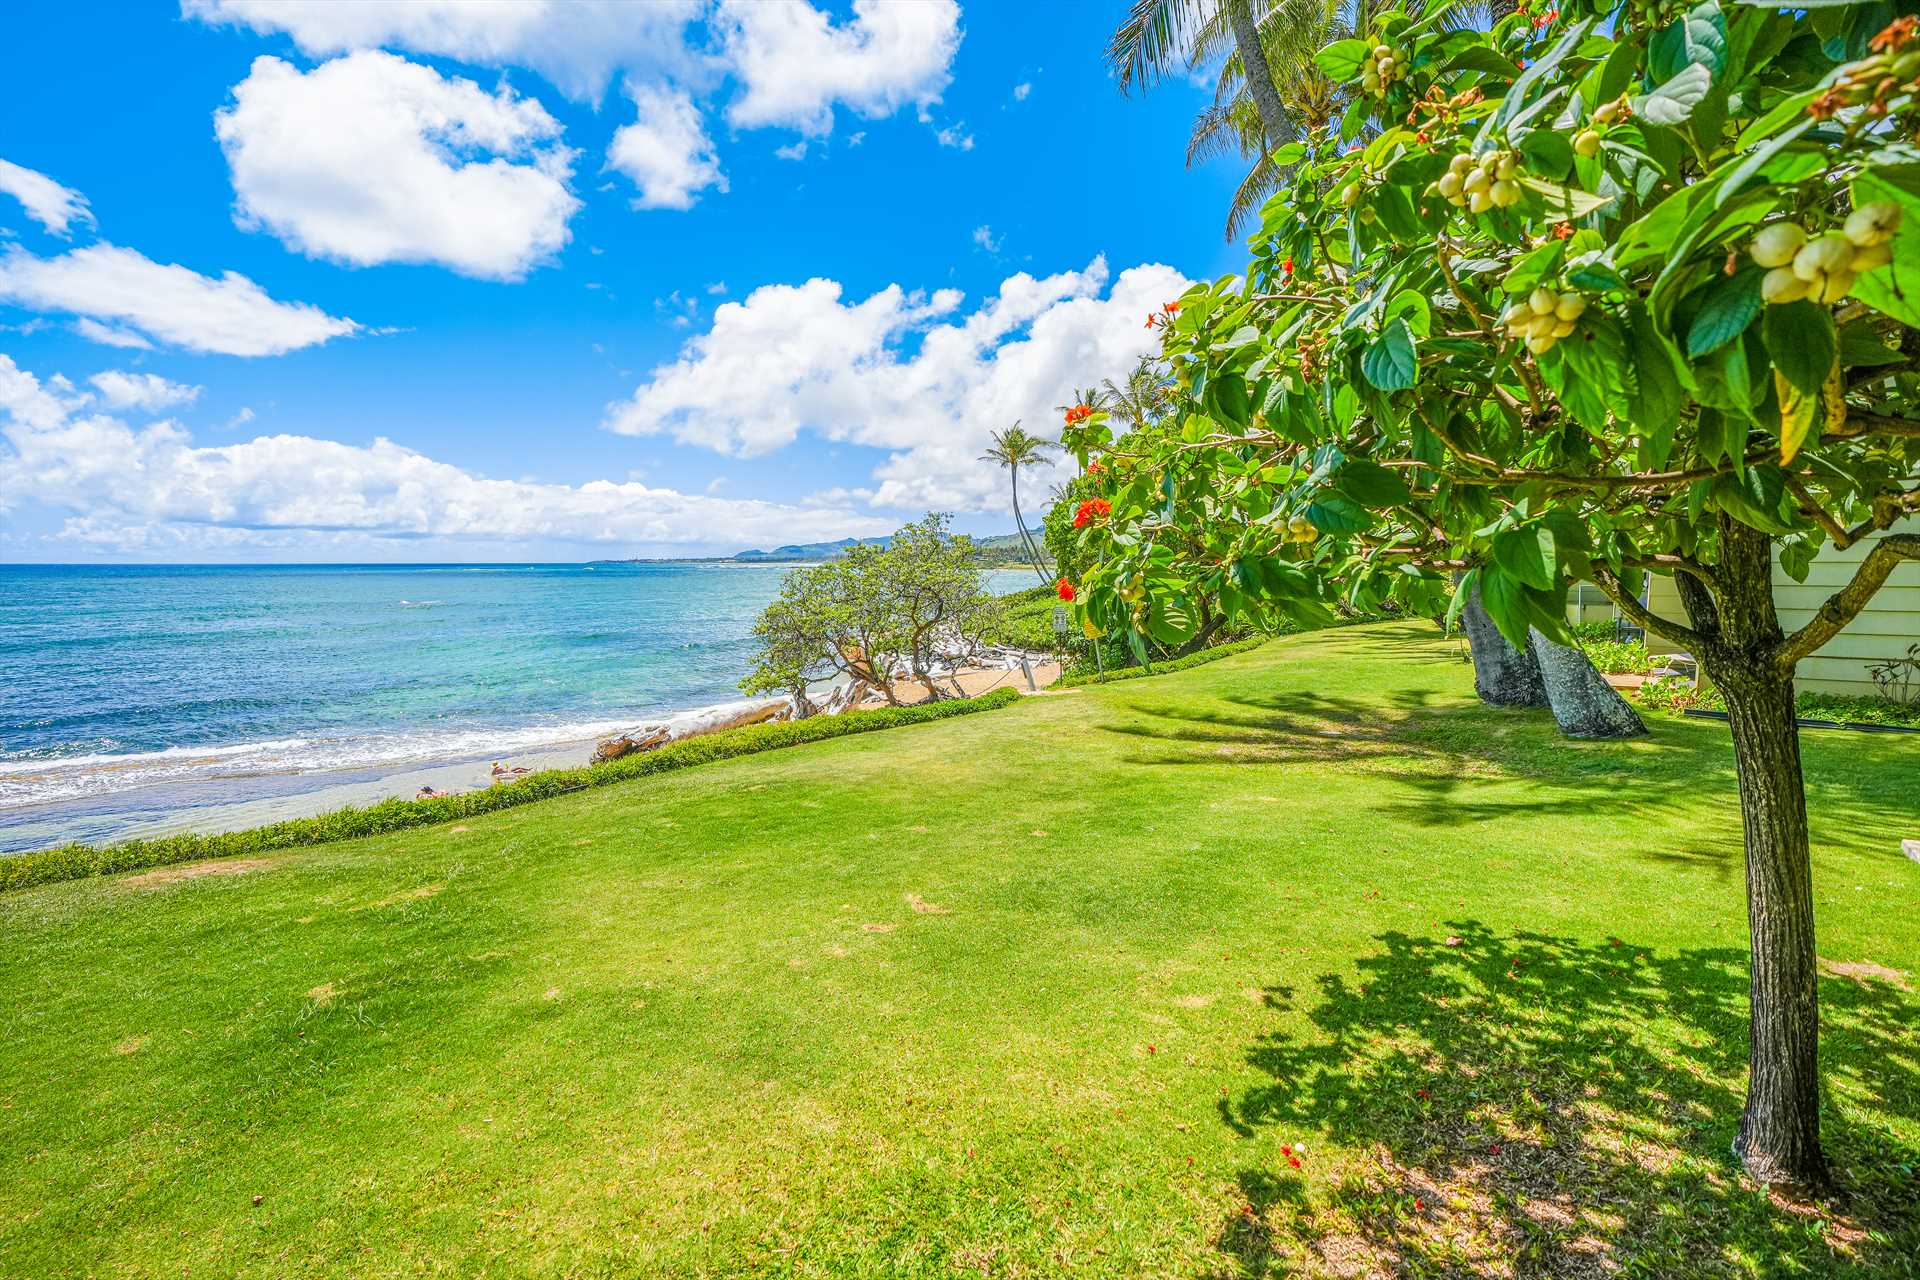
pixel 72 861
pixel 1052 991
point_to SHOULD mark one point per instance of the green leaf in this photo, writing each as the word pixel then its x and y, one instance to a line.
pixel 1893 290
pixel 1478 58
pixel 1527 554
pixel 1548 153
pixel 1504 599
pixel 1799 337
pixel 1536 74
pixel 1796 557
pixel 1370 484
pixel 1462 593
pixel 1535 267
pixel 1728 308
pixel 1754 498
pixel 1568 202
pixel 1390 204
pixel 1227 398
pixel 1389 361
pixel 1699 37
pixel 1341 60
pixel 1674 101
pixel 1336 514
pixel 1654 396
pixel 1861 348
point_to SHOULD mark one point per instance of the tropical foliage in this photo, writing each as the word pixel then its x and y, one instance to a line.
pixel 1628 290
pixel 873 613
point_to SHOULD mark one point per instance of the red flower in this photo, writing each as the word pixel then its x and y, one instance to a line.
pixel 1286 265
pixel 1151 317
pixel 1065 589
pixel 1494 1149
pixel 1171 308
pixel 1094 469
pixel 1079 413
pixel 1089 510
pixel 1286 1149
pixel 1294 1161
pixel 1151 1049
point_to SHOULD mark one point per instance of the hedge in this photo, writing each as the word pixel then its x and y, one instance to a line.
pixel 73 861
pixel 1199 659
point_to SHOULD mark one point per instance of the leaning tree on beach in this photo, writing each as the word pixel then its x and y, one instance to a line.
pixel 1609 291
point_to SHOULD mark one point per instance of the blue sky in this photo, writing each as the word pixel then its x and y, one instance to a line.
pixel 435 205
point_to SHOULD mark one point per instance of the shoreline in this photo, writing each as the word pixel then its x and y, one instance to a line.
pixel 218 804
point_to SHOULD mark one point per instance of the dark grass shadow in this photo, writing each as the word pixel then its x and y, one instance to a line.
pixel 1533 1105
pixel 1436 754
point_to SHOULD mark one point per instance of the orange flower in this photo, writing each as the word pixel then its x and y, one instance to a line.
pixel 1079 413
pixel 1065 589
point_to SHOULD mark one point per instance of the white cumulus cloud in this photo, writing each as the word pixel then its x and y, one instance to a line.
pixel 370 158
pixel 153 486
pixel 794 62
pixel 148 392
pixel 905 372
pixel 665 150
pixel 126 299
pixel 48 203
pixel 575 44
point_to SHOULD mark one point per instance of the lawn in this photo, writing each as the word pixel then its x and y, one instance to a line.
pixel 1298 962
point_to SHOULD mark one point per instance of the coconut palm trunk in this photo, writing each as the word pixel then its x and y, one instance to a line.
pixel 1020 522
pixel 1246 40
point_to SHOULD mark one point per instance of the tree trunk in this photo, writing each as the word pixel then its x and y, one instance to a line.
pixel 1584 704
pixel 1503 676
pixel 1020 523
pixel 1779 1139
pixel 1253 60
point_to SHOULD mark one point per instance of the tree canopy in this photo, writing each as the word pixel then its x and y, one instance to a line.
pixel 1609 290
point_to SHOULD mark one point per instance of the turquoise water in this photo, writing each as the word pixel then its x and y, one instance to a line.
pixel 136 695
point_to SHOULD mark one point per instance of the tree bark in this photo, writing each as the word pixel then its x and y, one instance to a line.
pixel 1584 704
pixel 1503 676
pixel 1253 60
pixel 1779 1138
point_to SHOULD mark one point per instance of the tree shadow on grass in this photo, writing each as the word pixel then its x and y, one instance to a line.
pixel 1436 756
pixel 1534 1105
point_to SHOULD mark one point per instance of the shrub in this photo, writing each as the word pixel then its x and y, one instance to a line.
pixel 1075 678
pixel 1618 657
pixel 73 861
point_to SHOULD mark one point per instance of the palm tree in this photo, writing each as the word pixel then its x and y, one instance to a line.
pixel 1141 399
pixel 1092 397
pixel 1013 449
pixel 1286 97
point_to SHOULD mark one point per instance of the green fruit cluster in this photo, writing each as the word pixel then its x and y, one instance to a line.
pixel 1382 68
pixel 1823 268
pixel 1479 185
pixel 1543 317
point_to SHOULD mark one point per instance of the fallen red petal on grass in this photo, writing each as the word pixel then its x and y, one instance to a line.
pixel 1294 1161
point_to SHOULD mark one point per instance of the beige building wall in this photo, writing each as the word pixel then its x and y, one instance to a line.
pixel 1884 628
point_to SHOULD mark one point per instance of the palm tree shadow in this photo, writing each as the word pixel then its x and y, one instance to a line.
pixel 1536 1105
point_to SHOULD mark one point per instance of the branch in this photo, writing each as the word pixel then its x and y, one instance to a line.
pixel 1870 423
pixel 1630 605
pixel 1844 605
pixel 1821 516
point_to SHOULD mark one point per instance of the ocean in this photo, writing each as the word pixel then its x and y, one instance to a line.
pixel 139 700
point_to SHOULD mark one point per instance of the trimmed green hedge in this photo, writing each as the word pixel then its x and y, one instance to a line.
pixel 1199 659
pixel 73 861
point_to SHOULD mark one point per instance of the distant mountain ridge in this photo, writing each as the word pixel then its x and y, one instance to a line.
pixel 997 542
